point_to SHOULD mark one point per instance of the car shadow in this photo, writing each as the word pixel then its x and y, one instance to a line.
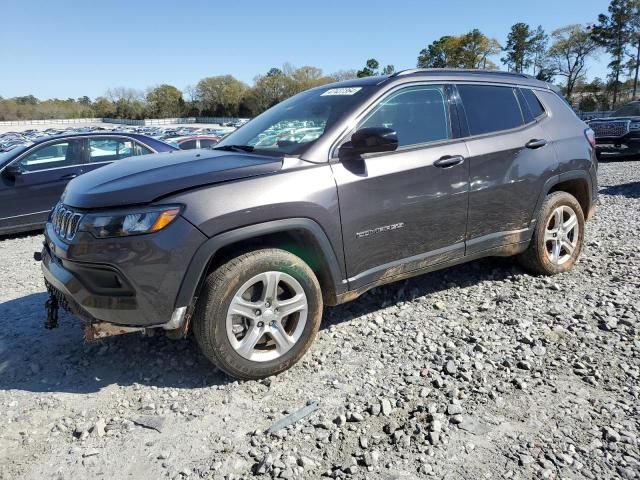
pixel 37 360
pixel 629 190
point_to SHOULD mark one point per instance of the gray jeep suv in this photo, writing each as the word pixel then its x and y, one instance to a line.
pixel 326 195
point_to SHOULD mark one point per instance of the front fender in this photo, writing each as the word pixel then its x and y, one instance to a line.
pixel 200 262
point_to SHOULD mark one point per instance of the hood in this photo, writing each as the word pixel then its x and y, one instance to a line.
pixel 143 179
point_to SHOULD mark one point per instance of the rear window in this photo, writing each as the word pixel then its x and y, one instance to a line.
pixel 534 105
pixel 490 108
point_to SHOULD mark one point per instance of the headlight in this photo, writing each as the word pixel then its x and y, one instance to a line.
pixel 129 222
pixel 635 126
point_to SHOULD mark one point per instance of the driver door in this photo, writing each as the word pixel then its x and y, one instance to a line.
pixel 27 199
pixel 407 209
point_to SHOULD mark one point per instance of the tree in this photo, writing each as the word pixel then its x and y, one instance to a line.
pixel 371 69
pixel 634 64
pixel 539 47
pixel 524 48
pixel 165 101
pixel 128 102
pixel 518 48
pixel 588 104
pixel 221 95
pixel 439 54
pixel 615 33
pixel 269 89
pixel 470 50
pixel 103 108
pixel 475 48
pixel 571 47
pixel 342 75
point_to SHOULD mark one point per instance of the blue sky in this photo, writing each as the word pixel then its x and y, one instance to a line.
pixel 69 48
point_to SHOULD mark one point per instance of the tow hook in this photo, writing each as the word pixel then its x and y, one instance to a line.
pixel 51 305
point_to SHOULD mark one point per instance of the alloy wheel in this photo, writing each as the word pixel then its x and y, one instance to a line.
pixel 562 234
pixel 267 316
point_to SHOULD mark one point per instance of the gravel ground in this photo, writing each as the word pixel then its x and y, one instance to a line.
pixel 479 371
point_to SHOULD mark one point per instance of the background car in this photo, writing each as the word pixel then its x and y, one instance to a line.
pixel 618 133
pixel 33 175
pixel 196 141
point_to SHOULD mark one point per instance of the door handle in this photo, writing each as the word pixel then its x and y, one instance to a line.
pixel 449 161
pixel 69 176
pixel 535 143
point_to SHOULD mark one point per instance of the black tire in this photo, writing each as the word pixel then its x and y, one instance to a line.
pixel 210 316
pixel 536 258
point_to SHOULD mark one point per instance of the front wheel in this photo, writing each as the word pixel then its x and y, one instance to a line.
pixel 258 313
pixel 558 236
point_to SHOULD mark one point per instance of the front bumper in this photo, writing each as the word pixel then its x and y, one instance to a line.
pixel 129 281
pixel 629 143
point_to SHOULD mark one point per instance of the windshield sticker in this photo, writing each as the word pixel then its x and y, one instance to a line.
pixel 341 91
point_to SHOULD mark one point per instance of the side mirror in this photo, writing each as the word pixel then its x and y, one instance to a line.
pixel 13 170
pixel 374 139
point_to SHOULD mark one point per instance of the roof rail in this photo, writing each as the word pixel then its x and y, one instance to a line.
pixel 459 70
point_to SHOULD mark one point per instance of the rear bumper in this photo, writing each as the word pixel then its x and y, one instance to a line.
pixel 130 282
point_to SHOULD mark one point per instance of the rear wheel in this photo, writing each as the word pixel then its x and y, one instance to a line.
pixel 558 236
pixel 258 313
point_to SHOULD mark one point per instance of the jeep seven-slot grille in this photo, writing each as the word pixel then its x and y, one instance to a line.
pixel 609 129
pixel 65 222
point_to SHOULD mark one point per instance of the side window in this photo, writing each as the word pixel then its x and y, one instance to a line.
pixel 417 114
pixel 490 108
pixel 535 107
pixel 206 143
pixel 188 145
pixel 110 149
pixel 53 155
pixel 141 149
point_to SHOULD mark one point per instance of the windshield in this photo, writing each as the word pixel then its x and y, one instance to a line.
pixel 5 156
pixel 630 110
pixel 293 125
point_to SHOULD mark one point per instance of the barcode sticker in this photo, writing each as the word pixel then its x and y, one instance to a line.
pixel 341 91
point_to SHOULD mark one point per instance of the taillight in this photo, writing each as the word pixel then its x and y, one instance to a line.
pixel 591 137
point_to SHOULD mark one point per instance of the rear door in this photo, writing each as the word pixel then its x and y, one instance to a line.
pixel 510 156
pixel 407 209
pixel 27 199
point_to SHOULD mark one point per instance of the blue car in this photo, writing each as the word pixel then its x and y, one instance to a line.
pixel 33 176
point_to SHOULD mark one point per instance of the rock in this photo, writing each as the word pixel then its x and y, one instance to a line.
pixel 450 367
pixel 525 460
pixel 340 420
pixel 99 427
pixel 385 407
pixel 610 435
pixel 90 452
pixel 453 409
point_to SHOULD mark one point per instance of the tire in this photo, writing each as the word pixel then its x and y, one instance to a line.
pixel 214 322
pixel 540 257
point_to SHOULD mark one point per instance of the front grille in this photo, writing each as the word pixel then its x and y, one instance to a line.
pixel 65 222
pixel 610 129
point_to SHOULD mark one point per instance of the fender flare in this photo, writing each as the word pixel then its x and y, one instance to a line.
pixel 563 177
pixel 201 260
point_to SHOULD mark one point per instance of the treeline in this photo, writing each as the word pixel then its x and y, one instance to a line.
pixel 222 95
pixel 560 56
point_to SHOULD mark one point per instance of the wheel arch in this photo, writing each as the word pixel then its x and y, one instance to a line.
pixel 577 183
pixel 301 236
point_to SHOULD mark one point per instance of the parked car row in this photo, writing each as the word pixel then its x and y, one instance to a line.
pixel 11 140
pixel 34 173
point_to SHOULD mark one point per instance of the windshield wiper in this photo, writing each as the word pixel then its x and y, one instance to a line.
pixel 235 148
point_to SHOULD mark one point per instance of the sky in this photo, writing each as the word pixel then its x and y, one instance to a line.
pixel 70 48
